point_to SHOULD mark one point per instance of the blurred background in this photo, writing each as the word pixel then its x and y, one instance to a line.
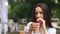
pixel 22 9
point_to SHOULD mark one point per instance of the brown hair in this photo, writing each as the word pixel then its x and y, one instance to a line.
pixel 46 13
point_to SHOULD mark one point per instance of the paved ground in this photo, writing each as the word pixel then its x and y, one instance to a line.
pixel 20 27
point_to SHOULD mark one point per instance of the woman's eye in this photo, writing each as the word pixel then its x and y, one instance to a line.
pixel 36 13
pixel 41 13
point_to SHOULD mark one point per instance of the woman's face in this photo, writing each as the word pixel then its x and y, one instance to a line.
pixel 38 13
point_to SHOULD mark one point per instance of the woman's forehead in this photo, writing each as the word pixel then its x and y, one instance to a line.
pixel 37 9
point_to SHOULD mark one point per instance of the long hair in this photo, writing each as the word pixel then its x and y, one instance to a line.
pixel 46 13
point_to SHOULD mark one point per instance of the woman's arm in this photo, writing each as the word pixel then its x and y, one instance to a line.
pixel 30 32
pixel 45 31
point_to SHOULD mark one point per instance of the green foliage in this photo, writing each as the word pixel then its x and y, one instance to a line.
pixel 20 9
pixel 23 9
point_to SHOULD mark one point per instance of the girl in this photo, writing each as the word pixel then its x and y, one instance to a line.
pixel 41 15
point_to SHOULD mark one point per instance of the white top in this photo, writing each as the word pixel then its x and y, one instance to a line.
pixel 49 30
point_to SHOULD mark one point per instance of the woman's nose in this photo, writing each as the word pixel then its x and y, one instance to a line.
pixel 38 15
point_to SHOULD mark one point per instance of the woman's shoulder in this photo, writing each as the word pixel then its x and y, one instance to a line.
pixel 51 30
pixel 29 23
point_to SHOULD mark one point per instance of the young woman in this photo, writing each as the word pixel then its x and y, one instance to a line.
pixel 41 16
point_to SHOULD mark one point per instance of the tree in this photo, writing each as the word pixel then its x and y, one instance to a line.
pixel 23 8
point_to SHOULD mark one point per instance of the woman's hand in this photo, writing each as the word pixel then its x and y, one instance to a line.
pixel 42 23
pixel 34 27
pixel 31 27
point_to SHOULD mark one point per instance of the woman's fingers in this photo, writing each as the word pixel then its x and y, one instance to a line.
pixel 34 26
pixel 31 28
pixel 41 21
